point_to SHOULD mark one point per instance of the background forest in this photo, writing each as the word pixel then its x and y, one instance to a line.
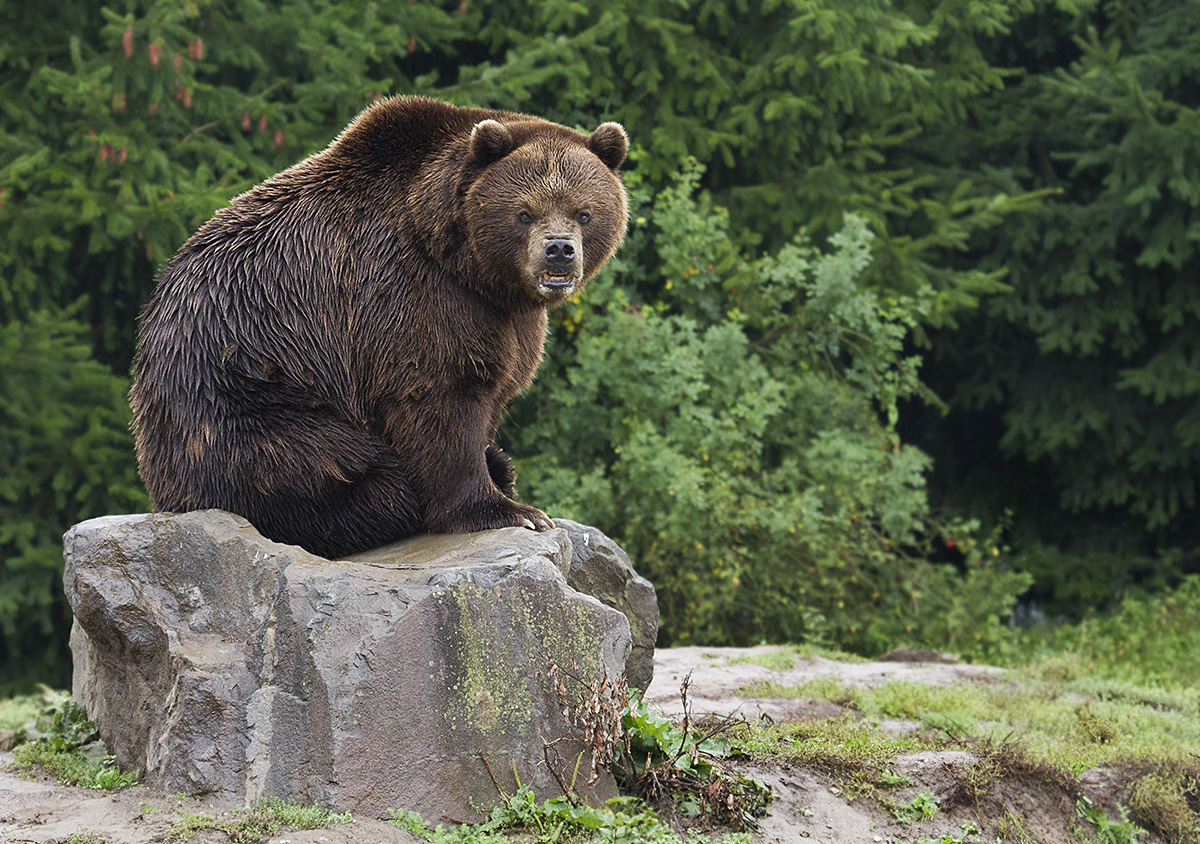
pixel 903 336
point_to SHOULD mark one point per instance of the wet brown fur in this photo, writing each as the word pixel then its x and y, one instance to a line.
pixel 329 357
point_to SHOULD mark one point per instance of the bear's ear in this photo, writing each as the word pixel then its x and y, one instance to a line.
pixel 610 144
pixel 490 141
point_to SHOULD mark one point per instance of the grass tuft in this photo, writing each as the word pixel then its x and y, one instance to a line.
pixel 1160 800
pixel 820 688
pixel 1002 761
pixel 71 767
pixel 856 755
pixel 783 659
pixel 262 821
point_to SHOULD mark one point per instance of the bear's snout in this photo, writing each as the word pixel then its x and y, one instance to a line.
pixel 560 267
pixel 560 253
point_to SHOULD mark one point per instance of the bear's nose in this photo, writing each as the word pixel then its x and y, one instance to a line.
pixel 559 252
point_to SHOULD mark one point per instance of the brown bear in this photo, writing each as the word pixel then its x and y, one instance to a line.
pixel 330 355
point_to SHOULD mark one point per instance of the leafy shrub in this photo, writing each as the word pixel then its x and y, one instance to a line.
pixel 732 422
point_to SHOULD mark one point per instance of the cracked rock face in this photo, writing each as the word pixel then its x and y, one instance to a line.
pixel 230 667
pixel 600 568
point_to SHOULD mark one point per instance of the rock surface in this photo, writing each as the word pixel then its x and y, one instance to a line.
pixel 229 667
pixel 600 568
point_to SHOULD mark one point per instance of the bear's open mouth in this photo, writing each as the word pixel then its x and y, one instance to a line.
pixel 551 281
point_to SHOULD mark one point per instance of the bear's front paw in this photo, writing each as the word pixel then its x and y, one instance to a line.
pixel 533 518
pixel 509 513
pixel 491 514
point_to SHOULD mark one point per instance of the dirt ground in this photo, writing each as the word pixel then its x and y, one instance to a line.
pixel 807 806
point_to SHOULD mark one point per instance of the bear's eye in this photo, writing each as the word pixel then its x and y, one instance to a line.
pixel 583 217
pixel 525 217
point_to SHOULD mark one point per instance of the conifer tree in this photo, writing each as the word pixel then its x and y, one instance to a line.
pixel 1079 391
pixel 64 443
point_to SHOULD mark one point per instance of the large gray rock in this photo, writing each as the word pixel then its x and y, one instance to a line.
pixel 227 666
pixel 600 568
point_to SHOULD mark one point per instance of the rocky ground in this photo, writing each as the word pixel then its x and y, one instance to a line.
pixel 807 806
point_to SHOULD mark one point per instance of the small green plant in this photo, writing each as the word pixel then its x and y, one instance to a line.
pixel 1108 831
pixel 85 837
pixel 921 808
pixel 263 820
pixel 657 760
pixel 55 741
pixel 622 820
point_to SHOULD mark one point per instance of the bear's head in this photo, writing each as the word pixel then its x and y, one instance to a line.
pixel 544 206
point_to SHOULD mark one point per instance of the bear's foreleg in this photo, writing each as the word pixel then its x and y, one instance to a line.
pixel 466 483
pixel 501 470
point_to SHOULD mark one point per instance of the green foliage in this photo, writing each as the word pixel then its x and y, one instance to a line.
pixel 1108 831
pixel 1149 639
pixel 1079 389
pixel 921 808
pixel 732 422
pixel 61 741
pixel 623 820
pixel 65 443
